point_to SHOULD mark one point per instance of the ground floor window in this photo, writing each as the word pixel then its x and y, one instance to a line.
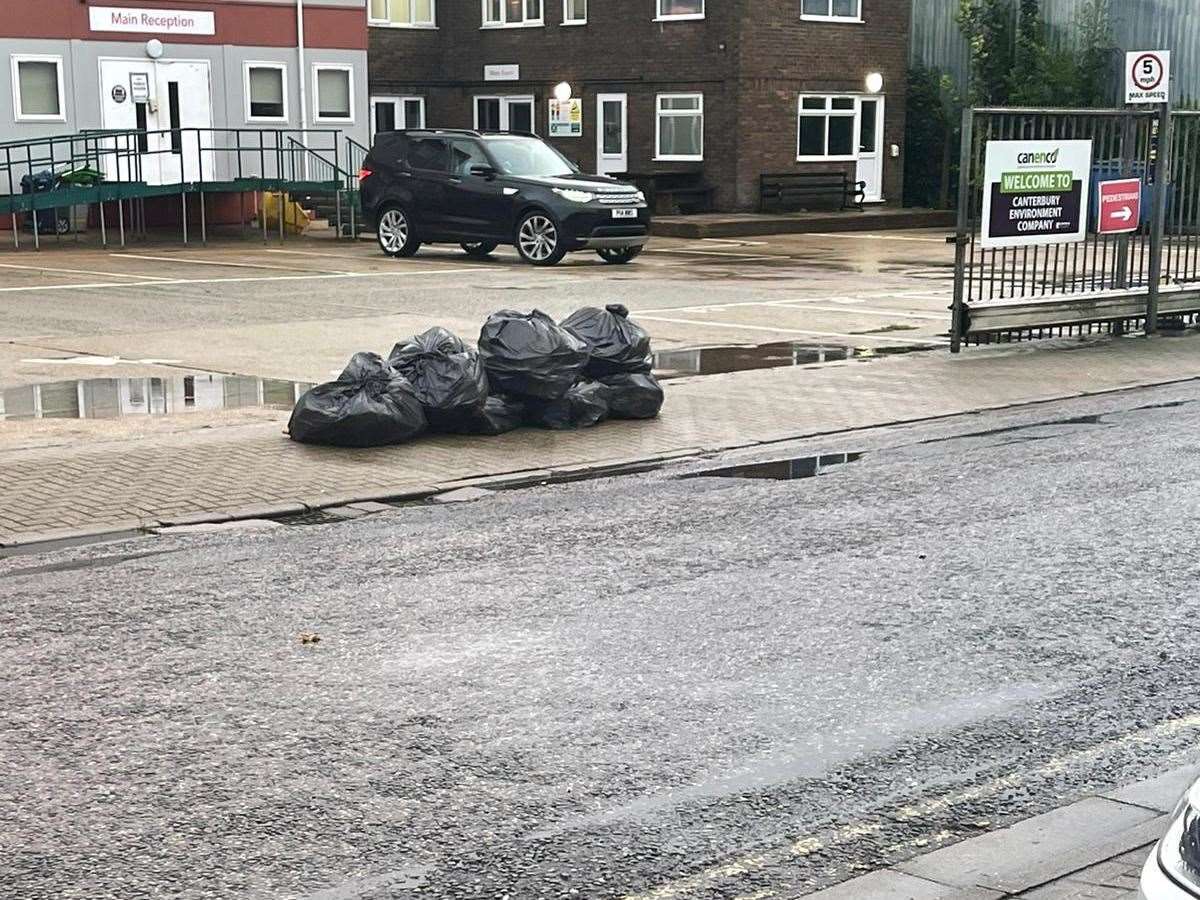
pixel 504 114
pixel 266 97
pixel 680 127
pixel 334 93
pixel 828 128
pixel 38 88
pixel 396 113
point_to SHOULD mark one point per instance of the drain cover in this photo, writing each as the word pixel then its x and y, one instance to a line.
pixel 782 469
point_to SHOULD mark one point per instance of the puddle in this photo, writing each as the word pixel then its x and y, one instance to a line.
pixel 781 354
pixel 782 469
pixel 113 398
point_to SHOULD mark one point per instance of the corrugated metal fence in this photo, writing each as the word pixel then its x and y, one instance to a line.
pixel 1137 25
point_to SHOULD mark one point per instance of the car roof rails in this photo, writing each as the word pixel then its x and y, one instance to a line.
pixel 469 132
pixel 508 134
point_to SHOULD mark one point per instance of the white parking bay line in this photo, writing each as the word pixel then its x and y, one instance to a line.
pixel 62 271
pixel 915 339
pixel 167 282
pixel 722 253
pixel 216 262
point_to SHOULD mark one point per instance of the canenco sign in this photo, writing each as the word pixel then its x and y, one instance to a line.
pixel 1034 192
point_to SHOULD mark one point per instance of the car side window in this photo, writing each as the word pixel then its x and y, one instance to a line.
pixel 429 154
pixel 463 155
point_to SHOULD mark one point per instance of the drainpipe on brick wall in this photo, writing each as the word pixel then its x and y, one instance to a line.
pixel 303 81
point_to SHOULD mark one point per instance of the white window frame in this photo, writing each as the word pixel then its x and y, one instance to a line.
pixel 504 23
pixel 505 99
pixel 283 81
pixel 388 23
pixel 316 91
pixel 398 104
pixel 677 113
pixel 660 16
pixel 830 113
pixel 18 114
pixel 567 20
pixel 856 19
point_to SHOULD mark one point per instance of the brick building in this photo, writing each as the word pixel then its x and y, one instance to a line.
pixel 730 89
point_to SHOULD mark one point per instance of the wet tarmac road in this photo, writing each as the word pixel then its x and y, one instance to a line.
pixel 644 687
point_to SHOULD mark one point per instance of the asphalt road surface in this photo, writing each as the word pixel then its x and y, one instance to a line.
pixel 642 687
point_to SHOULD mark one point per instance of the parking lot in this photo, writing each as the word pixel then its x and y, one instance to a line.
pixel 298 309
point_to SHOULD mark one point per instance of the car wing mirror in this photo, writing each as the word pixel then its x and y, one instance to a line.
pixel 483 171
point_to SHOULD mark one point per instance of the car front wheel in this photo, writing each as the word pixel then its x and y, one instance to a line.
pixel 396 234
pixel 619 256
pixel 479 249
pixel 538 239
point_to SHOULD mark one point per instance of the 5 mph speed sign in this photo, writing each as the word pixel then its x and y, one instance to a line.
pixel 1148 76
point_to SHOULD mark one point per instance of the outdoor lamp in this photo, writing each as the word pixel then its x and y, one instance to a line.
pixel 562 91
pixel 154 48
pixel 874 83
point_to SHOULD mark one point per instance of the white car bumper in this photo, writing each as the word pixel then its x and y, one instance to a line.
pixel 1155 885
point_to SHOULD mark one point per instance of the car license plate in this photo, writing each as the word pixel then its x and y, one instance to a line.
pixel 624 213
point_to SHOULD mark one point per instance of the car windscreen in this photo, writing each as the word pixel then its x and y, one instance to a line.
pixel 527 156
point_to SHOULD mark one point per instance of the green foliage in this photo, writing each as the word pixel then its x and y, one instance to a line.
pixel 931 136
pixel 987 26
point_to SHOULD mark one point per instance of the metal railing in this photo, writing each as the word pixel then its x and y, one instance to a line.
pixel 1106 282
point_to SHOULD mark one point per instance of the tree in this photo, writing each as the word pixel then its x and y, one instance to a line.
pixel 987 26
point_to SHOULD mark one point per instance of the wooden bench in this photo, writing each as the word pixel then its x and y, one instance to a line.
pixel 669 192
pixel 790 189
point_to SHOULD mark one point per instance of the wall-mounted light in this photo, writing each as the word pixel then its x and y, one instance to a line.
pixel 154 48
pixel 562 91
pixel 874 82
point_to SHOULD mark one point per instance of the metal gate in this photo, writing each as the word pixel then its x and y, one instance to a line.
pixel 1105 283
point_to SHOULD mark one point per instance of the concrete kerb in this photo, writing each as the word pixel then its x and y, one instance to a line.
pixel 1032 853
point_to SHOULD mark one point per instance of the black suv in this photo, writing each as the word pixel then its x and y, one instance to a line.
pixel 480 190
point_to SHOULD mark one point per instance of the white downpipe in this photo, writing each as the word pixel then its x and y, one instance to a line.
pixel 301 68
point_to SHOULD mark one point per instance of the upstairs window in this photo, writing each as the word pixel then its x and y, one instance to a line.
pixel 403 13
pixel 680 9
pixel 511 13
pixel 832 10
pixel 37 89
pixel 574 12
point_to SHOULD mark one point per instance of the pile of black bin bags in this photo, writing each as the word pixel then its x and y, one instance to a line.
pixel 527 369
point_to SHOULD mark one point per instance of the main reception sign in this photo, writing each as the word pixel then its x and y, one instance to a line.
pixel 1036 192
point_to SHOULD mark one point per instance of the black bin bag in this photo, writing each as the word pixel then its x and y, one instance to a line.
pixel 634 395
pixel 616 344
pixel 499 415
pixel 370 405
pixel 584 405
pixel 447 375
pixel 530 355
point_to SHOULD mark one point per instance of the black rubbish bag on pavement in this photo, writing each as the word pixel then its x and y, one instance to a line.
pixel 634 395
pixel 499 415
pixel 584 405
pixel 447 375
pixel 370 405
pixel 616 343
pixel 530 355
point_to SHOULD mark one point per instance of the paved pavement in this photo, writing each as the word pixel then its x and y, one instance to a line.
pixel 641 687
pixel 61 480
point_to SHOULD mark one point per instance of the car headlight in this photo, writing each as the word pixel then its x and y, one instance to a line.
pixel 1179 850
pixel 575 196
pixel 641 196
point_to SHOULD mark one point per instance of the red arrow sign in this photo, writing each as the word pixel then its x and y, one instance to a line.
pixel 1120 206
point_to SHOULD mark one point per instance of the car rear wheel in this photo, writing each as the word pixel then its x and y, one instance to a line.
pixel 619 256
pixel 478 249
pixel 395 232
pixel 538 239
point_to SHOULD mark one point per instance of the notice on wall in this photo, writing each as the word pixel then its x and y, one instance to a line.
pixel 566 118
pixel 1035 192
pixel 151 21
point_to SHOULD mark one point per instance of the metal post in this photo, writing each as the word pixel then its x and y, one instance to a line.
pixel 183 207
pixel 262 213
pixel 962 237
pixel 16 233
pixel 203 219
pixel 121 219
pixel 103 227
pixel 1162 184
pixel 337 199
pixel 1128 148
pixel 280 212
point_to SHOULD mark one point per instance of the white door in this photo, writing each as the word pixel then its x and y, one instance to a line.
pixel 612 134
pixel 179 98
pixel 870 147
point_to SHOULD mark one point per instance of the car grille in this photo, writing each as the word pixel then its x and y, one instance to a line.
pixel 623 199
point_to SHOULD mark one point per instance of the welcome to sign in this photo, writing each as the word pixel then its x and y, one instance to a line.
pixel 1035 192
pixel 151 21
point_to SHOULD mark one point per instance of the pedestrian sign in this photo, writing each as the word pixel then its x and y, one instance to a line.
pixel 1148 76
pixel 1034 192
pixel 1120 206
